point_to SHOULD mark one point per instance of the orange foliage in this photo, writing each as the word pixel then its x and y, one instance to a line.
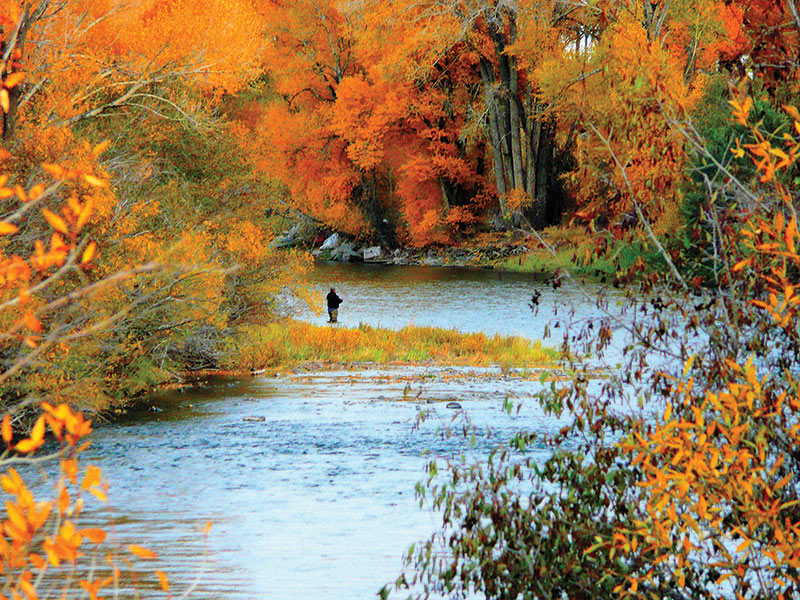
pixel 625 92
pixel 355 147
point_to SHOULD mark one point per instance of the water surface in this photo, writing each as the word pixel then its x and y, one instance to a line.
pixel 309 479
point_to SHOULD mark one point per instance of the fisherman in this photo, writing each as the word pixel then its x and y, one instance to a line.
pixel 333 305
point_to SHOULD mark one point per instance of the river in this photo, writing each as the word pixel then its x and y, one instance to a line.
pixel 309 479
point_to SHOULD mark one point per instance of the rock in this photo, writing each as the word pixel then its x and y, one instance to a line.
pixel 454 405
pixel 372 252
pixel 254 419
pixel 330 243
pixel 345 253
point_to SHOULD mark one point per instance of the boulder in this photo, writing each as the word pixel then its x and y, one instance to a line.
pixel 372 252
pixel 330 243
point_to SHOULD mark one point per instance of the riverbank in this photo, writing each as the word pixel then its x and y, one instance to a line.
pixel 551 251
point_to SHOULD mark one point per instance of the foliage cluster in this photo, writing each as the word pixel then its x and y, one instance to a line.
pixel 127 145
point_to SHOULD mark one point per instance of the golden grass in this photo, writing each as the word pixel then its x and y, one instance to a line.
pixel 289 343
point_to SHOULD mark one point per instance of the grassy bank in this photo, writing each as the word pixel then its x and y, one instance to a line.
pixel 570 248
pixel 290 343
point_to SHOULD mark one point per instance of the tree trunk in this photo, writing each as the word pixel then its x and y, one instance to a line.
pixel 516 135
pixel 373 210
pixel 503 101
pixel 487 75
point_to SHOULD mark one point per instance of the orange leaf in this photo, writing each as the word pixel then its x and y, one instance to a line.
pixel 14 79
pixel 63 500
pixel 208 527
pixel 792 111
pixel 142 552
pixel 37 561
pixel 27 588
pixel 70 468
pixel 56 171
pixel 4 154
pixel 5 101
pixel 55 221
pixel 92 477
pixel 94 535
pixel 163 579
pixel 6 228
pixel 32 323
pixel 85 212
pixel 6 429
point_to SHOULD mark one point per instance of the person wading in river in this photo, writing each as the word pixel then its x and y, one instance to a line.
pixel 333 305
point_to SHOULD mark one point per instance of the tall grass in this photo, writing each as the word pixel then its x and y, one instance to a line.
pixel 289 343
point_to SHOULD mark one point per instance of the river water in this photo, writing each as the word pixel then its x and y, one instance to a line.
pixel 309 479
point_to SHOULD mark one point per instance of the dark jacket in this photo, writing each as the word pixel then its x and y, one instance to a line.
pixel 333 300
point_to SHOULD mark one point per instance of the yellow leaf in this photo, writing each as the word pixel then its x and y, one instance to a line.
pixel 142 552
pixel 99 494
pixel 163 579
pixel 100 148
pixel 84 214
pixel 88 253
pixel 55 221
pixel 688 365
pixel 37 433
pixel 5 101
pixel 27 445
pixel 6 228
pixel 95 181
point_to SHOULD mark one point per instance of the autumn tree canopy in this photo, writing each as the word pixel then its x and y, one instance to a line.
pixel 415 119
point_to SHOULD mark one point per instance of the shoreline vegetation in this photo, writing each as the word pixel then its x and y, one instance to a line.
pixel 290 343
